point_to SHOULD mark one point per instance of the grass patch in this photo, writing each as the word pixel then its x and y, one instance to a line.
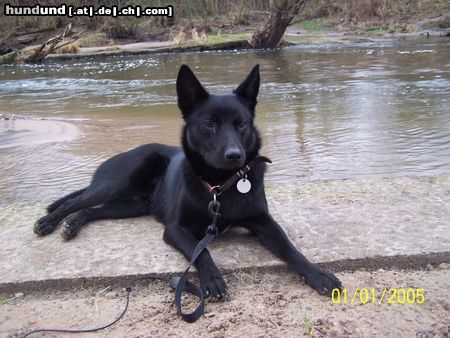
pixel 307 325
pixel 377 27
pixel 426 25
pixel 310 25
pixel 220 38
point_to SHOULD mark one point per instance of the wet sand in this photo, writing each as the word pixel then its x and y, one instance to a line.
pixel 20 131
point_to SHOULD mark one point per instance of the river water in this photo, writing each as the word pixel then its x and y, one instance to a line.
pixel 329 111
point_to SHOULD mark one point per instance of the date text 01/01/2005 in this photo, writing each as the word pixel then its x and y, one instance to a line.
pixel 390 296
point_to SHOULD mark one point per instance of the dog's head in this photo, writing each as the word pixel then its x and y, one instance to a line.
pixel 219 130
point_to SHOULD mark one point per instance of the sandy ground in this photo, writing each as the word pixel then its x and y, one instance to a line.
pixel 260 304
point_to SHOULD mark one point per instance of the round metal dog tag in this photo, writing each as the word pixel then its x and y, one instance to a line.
pixel 243 185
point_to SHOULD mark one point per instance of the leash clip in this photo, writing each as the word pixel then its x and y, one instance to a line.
pixel 215 190
pixel 214 207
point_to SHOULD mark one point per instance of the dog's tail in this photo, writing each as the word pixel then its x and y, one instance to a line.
pixel 55 205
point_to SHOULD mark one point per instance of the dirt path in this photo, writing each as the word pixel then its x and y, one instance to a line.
pixel 261 304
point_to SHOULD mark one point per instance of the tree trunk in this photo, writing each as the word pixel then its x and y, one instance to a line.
pixel 280 17
pixel 273 30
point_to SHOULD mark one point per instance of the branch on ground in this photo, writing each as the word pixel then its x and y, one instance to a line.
pixel 51 45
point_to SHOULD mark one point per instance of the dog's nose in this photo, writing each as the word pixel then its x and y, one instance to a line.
pixel 233 155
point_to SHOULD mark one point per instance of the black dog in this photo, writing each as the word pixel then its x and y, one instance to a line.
pixel 218 139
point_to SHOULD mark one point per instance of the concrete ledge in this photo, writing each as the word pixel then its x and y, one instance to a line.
pixel 348 224
pixel 411 262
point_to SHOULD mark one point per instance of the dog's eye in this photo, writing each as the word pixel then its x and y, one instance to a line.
pixel 242 125
pixel 209 124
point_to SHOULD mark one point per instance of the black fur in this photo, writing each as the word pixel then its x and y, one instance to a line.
pixel 217 140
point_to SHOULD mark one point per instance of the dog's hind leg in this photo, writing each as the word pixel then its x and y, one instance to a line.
pixel 55 205
pixel 48 223
pixel 115 209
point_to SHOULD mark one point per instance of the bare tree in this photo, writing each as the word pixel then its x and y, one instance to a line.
pixel 282 13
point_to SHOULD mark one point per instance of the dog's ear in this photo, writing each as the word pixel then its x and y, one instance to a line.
pixel 190 92
pixel 249 89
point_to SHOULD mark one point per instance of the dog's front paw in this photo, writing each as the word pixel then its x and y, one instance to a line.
pixel 212 282
pixel 323 281
pixel 45 225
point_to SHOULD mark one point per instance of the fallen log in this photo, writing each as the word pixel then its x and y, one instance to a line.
pixel 51 45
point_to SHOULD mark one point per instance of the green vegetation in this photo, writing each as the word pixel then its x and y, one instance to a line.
pixel 311 25
pixel 221 38
pixel 427 24
pixel 307 325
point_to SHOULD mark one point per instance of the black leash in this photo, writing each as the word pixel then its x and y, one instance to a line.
pixel 180 284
